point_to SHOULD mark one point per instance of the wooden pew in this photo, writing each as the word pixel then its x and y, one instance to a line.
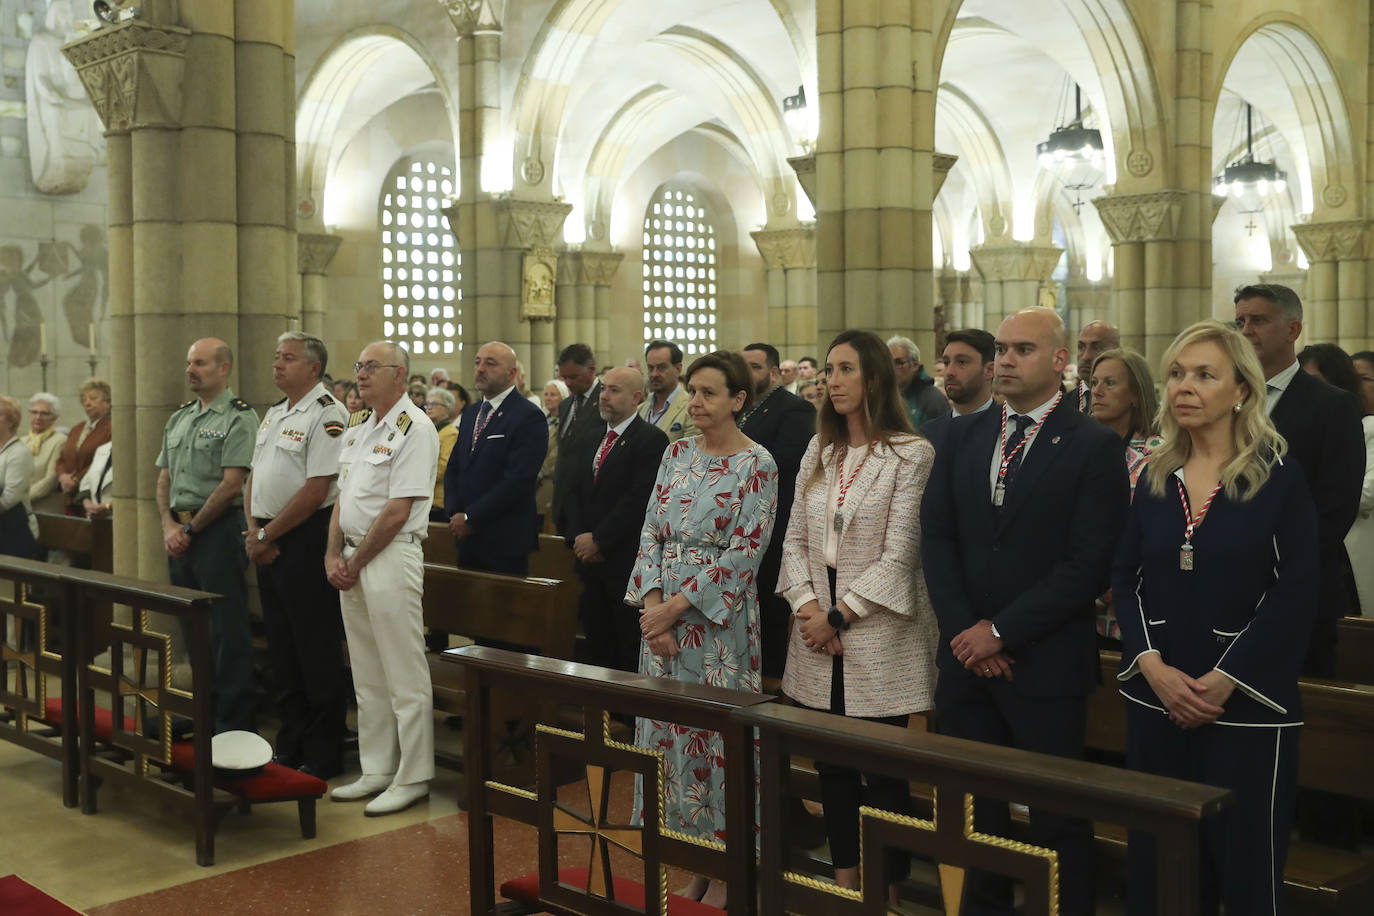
pixel 90 538
pixel 124 719
pixel 1335 751
pixel 553 560
pixel 1355 649
pixel 536 614
pixel 589 748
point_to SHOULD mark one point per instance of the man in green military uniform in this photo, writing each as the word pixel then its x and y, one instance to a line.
pixel 207 449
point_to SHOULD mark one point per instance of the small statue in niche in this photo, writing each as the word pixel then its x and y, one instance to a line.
pixel 14 277
pixel 539 289
pixel 65 138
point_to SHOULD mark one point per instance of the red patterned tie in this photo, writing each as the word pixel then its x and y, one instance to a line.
pixel 483 415
pixel 606 444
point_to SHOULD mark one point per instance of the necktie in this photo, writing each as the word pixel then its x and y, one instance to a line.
pixel 606 444
pixel 483 414
pixel 572 414
pixel 1017 435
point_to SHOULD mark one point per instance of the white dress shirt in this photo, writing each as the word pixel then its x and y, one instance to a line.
pixel 1281 382
pixel 1036 416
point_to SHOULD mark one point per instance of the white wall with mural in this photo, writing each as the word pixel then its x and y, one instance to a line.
pixel 53 255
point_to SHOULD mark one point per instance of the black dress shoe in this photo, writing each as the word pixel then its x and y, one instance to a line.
pixel 320 772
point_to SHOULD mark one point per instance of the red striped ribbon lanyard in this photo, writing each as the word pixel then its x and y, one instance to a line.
pixel 999 492
pixel 844 489
pixel 1185 553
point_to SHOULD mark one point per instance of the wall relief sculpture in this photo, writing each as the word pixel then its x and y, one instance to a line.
pixel 64 131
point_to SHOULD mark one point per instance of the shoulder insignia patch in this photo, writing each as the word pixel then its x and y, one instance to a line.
pixel 325 399
pixel 334 428
pixel 241 404
pixel 403 423
pixel 186 404
pixel 359 417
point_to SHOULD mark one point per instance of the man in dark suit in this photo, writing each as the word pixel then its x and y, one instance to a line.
pixel 969 356
pixel 577 418
pixel 1019 522
pixel 1321 424
pixel 1096 338
pixel 611 479
pixel 490 480
pixel 784 424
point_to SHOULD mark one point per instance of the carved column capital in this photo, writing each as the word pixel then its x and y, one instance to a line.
pixel 1339 241
pixel 1015 262
pixel 469 16
pixel 531 224
pixel 133 73
pixel 941 164
pixel 805 167
pixel 314 251
pixel 1151 217
pixel 787 248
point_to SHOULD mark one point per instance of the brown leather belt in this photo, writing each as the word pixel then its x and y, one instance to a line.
pixel 185 517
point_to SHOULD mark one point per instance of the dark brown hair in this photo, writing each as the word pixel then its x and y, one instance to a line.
pixel 733 367
pixel 884 411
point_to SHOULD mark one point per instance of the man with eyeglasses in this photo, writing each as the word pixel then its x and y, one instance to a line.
pixel 374 559
pixel 207 449
pixel 924 402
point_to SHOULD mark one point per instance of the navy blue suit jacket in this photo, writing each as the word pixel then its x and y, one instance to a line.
pixel 495 482
pixel 1035 571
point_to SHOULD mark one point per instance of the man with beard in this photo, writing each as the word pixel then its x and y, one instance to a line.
pixel 666 406
pixel 612 479
pixel 968 358
pixel 784 424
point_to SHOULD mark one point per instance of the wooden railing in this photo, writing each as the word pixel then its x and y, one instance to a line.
pixel 134 746
pixel 600 693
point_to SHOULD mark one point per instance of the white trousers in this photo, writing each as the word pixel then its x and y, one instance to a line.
pixel 383 622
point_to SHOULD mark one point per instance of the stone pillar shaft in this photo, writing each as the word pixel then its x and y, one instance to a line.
pixel 1012 277
pixel 1336 307
pixel 789 260
pixel 1142 228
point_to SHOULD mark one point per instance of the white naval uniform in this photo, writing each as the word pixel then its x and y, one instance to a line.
pixel 384 459
pixel 293 445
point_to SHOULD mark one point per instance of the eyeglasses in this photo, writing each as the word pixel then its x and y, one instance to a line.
pixel 900 363
pixel 372 366
pixel 435 404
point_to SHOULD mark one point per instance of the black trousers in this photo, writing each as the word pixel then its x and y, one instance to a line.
pixel 214 563
pixel 1245 847
pixel 844 789
pixel 300 613
pixel 995 712
pixel 611 626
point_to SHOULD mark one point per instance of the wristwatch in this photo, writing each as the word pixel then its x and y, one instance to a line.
pixel 186 530
pixel 262 534
pixel 837 620
pixel 993 627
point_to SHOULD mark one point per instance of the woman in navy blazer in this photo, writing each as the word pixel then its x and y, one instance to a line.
pixel 1216 581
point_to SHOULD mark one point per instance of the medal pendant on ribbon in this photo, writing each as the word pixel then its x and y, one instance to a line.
pixel 999 494
pixel 1185 557
pixel 839 522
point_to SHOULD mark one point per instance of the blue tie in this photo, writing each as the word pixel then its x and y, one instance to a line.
pixel 482 413
pixel 1017 435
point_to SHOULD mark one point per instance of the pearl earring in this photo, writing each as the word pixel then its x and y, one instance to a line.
pixel 1236 409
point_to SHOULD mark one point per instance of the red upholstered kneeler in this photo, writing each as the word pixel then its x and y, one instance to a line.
pixel 525 889
pixel 272 783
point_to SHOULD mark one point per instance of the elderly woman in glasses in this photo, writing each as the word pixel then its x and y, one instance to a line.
pixel 45 444
pixel 438 407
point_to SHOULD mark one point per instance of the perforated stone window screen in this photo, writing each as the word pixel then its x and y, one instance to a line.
pixel 421 266
pixel 680 271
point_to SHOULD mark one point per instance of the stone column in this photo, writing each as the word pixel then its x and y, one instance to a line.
pixel 1336 309
pixel 584 299
pixel 1141 226
pixel 528 232
pixel 1012 277
pixel 789 257
pixel 874 169
pixel 135 74
pixel 313 253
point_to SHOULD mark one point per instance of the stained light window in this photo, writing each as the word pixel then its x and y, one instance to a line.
pixel 421 266
pixel 680 271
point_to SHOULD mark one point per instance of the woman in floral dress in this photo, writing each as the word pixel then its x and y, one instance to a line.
pixel 705 529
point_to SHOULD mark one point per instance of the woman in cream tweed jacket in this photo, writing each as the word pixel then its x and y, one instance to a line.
pixel 872 473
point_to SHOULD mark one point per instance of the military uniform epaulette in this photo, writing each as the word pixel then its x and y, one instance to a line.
pixel 186 404
pixel 359 417
pixel 241 404
pixel 325 399
pixel 403 423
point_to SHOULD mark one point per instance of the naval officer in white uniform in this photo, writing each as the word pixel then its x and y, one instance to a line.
pixel 374 558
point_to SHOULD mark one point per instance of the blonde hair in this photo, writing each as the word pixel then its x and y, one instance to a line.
pixel 9 410
pixel 1258 444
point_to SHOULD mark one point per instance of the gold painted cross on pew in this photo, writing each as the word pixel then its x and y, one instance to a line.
pixel 596 827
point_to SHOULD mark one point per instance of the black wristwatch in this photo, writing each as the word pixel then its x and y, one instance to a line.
pixel 837 620
pixel 186 530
